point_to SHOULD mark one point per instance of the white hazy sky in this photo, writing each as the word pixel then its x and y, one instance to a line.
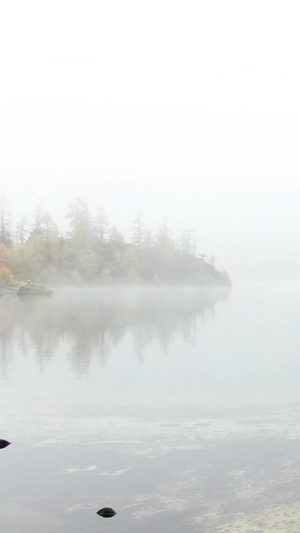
pixel 187 109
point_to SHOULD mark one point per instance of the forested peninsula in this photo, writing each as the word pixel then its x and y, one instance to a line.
pixel 94 251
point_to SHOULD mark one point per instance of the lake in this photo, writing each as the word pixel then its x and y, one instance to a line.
pixel 179 408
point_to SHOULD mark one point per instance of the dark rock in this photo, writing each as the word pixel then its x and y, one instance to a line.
pixel 4 443
pixel 106 512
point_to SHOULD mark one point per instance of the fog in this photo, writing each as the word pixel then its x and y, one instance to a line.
pixel 139 377
pixel 188 111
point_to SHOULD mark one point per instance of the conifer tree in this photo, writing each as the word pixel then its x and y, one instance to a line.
pixel 5 230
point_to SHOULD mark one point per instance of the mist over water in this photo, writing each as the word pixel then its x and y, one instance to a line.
pixel 179 408
pixel 150 143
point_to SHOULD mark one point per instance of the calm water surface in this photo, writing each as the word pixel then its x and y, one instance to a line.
pixel 178 408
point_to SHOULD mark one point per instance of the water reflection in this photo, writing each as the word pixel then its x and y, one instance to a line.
pixel 93 320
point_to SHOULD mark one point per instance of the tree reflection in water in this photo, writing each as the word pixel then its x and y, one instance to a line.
pixel 95 319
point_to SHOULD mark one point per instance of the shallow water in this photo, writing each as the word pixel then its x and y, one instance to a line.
pixel 178 408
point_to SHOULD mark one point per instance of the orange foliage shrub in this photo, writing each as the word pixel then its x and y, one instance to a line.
pixel 5 275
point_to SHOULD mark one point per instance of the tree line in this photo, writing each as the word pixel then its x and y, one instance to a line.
pixel 94 251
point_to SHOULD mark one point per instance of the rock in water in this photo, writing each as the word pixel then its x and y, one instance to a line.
pixel 106 512
pixel 4 443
